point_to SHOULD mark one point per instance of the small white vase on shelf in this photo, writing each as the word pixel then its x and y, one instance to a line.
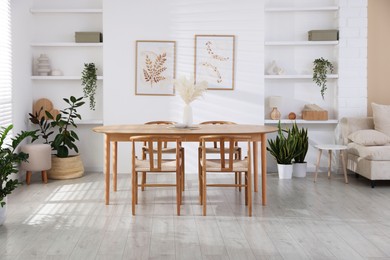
pixel 187 115
pixel 43 65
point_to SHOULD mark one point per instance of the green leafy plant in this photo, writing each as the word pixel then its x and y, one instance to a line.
pixel 302 142
pixel 88 80
pixel 9 158
pixel 65 137
pixel 320 70
pixel 284 147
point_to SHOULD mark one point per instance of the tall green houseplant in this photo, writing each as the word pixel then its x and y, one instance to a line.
pixel 65 137
pixel 89 81
pixel 9 158
pixel 320 70
pixel 284 147
pixel 302 142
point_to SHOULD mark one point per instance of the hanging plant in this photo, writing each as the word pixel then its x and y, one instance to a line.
pixel 88 80
pixel 320 70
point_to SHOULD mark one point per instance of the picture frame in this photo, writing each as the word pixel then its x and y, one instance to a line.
pixel 214 61
pixel 155 66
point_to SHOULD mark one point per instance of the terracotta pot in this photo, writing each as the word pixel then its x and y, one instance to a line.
pixel 66 168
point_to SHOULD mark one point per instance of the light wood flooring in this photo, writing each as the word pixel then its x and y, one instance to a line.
pixel 303 220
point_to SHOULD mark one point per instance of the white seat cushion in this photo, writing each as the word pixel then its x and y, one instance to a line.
pixel 373 153
pixel 369 137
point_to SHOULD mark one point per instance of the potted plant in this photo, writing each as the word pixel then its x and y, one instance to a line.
pixel 64 165
pixel 320 70
pixel 299 165
pixel 88 80
pixel 284 150
pixel 9 158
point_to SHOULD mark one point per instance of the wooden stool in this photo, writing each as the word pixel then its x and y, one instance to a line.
pixel 330 148
pixel 39 159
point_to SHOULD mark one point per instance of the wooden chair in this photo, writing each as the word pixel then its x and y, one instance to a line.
pixel 165 150
pixel 156 164
pixel 226 163
pixel 215 149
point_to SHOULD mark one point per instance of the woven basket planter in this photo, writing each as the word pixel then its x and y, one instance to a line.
pixel 66 168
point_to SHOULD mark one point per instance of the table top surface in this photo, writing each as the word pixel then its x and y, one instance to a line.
pixel 141 129
pixel 331 147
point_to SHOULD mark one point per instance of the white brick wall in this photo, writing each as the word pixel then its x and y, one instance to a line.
pixel 352 94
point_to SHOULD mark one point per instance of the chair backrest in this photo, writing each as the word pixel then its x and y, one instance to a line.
pixel 155 143
pixel 226 144
pixel 160 123
pixel 217 123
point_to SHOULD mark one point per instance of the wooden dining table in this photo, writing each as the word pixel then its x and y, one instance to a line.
pixel 122 133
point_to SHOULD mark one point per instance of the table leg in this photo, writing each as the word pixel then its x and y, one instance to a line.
pixel 114 165
pixel 107 167
pixel 264 169
pixel 329 163
pixel 344 166
pixel 255 167
pixel 318 164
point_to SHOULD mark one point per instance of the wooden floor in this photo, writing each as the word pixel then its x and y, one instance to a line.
pixel 303 220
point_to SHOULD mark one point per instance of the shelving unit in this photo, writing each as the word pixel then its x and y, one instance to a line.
pixel 287 45
pixel 55 24
pixel 296 43
pixel 60 77
pixel 72 11
pixel 65 44
pixel 300 121
pixel 302 9
pixel 307 76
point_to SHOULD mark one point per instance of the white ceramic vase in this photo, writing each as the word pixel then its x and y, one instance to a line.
pixel 285 171
pixel 187 115
pixel 3 212
pixel 299 169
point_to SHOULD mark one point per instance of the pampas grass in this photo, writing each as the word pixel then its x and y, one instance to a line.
pixel 188 90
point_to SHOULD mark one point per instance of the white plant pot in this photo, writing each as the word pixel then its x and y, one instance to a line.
pixel 285 171
pixel 299 170
pixel 3 212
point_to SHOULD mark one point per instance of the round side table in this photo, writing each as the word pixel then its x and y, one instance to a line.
pixel 330 148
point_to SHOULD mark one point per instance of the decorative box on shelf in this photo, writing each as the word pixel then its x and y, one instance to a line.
pixel 88 37
pixel 323 35
pixel 314 112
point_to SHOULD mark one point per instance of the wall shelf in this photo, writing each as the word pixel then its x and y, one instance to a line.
pixel 293 76
pixel 70 11
pixel 61 77
pixel 297 43
pixel 89 122
pixel 302 9
pixel 300 121
pixel 66 44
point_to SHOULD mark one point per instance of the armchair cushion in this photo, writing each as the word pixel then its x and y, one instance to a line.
pixel 369 137
pixel 371 153
pixel 381 118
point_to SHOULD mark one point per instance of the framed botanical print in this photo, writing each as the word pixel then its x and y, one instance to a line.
pixel 155 68
pixel 214 61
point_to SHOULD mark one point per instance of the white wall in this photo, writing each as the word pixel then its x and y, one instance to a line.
pixel 178 20
pixel 124 22
pixel 21 63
